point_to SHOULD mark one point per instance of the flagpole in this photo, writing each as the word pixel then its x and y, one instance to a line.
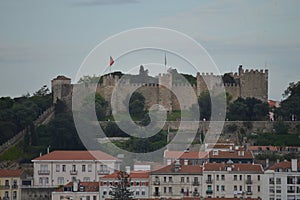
pixel 166 62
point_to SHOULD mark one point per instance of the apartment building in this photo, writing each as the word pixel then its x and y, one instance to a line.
pixel 176 181
pixel 139 184
pixel 282 181
pixel 185 157
pixel 230 180
pixel 10 181
pixel 237 155
pixel 61 167
pixel 77 191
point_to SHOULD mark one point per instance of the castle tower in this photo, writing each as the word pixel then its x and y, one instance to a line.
pixel 165 95
pixel 254 83
pixel 61 89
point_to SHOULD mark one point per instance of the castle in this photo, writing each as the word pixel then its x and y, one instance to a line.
pixel 246 83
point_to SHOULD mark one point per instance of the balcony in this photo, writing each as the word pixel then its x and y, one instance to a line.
pixel 209 181
pixel 156 194
pixel 209 191
pixel 73 172
pixel 196 183
pixel 102 172
pixel 249 181
pixel 249 192
pixel 5 198
pixel 4 187
pixel 14 187
pixel 43 172
pixel 156 182
pixel 196 194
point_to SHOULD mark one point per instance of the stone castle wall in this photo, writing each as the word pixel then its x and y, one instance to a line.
pixel 249 83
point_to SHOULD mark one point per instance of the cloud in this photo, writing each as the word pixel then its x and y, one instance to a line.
pixel 104 2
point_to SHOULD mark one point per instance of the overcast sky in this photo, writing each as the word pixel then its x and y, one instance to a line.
pixel 42 39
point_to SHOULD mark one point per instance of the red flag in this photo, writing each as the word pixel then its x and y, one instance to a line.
pixel 111 61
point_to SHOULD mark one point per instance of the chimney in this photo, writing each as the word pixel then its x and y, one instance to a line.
pixel 186 162
pixel 177 166
pixel 127 169
pixel 48 149
pixel 294 165
pixel 75 186
pixel 277 161
pixel 267 162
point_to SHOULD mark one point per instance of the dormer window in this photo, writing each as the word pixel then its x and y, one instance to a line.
pixel 288 170
pixel 279 170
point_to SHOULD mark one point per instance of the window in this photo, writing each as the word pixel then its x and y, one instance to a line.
pixel 182 180
pixel 223 177
pixel 258 177
pixel 241 177
pixel 258 188
pixel 83 168
pixel 187 179
pixel 271 181
pixel 248 188
pixel 86 179
pixel 15 183
pixel 57 168
pixel 63 168
pixel 217 177
pixel 94 197
pixel 241 188
pixel 217 188
pixel 143 183
pixel 165 179
pixel 235 177
pixel 143 193
pixel 60 181
pixel 6 182
pixel 170 179
pixel 137 192
pixel 89 168
pixel 170 190
pixel 15 195
pixel 278 180
pixel 235 188
pixel 165 189
pixel 222 188
pixel 182 190
pixel 74 168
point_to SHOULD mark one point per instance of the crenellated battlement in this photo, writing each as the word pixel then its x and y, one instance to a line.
pixel 244 83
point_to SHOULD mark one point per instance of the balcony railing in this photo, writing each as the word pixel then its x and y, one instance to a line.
pixel 249 192
pixel 209 181
pixel 3 187
pixel 248 181
pixel 100 172
pixel 44 172
pixel 73 172
pixel 156 194
pixel 209 191
pixel 156 182
pixel 196 183
pixel 14 187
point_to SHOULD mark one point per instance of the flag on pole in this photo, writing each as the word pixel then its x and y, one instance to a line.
pixel 111 61
pixel 165 59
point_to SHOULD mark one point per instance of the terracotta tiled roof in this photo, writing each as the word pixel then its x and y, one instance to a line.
pixel 133 175
pixel 11 172
pixel 262 148
pixel 184 169
pixel 231 154
pixel 88 186
pixel 185 155
pixel 234 167
pixel 75 155
pixel 283 165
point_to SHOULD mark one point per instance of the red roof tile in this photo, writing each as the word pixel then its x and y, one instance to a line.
pixel 234 167
pixel 133 175
pixel 283 165
pixel 185 155
pixel 262 148
pixel 11 172
pixel 75 155
pixel 88 186
pixel 231 154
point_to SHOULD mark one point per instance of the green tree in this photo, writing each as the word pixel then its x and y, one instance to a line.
pixel 137 105
pixel 121 190
pixel 100 105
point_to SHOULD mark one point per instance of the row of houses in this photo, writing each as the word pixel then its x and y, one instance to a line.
pixel 91 175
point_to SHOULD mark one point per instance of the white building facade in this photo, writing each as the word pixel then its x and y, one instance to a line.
pixel 282 181
pixel 61 167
